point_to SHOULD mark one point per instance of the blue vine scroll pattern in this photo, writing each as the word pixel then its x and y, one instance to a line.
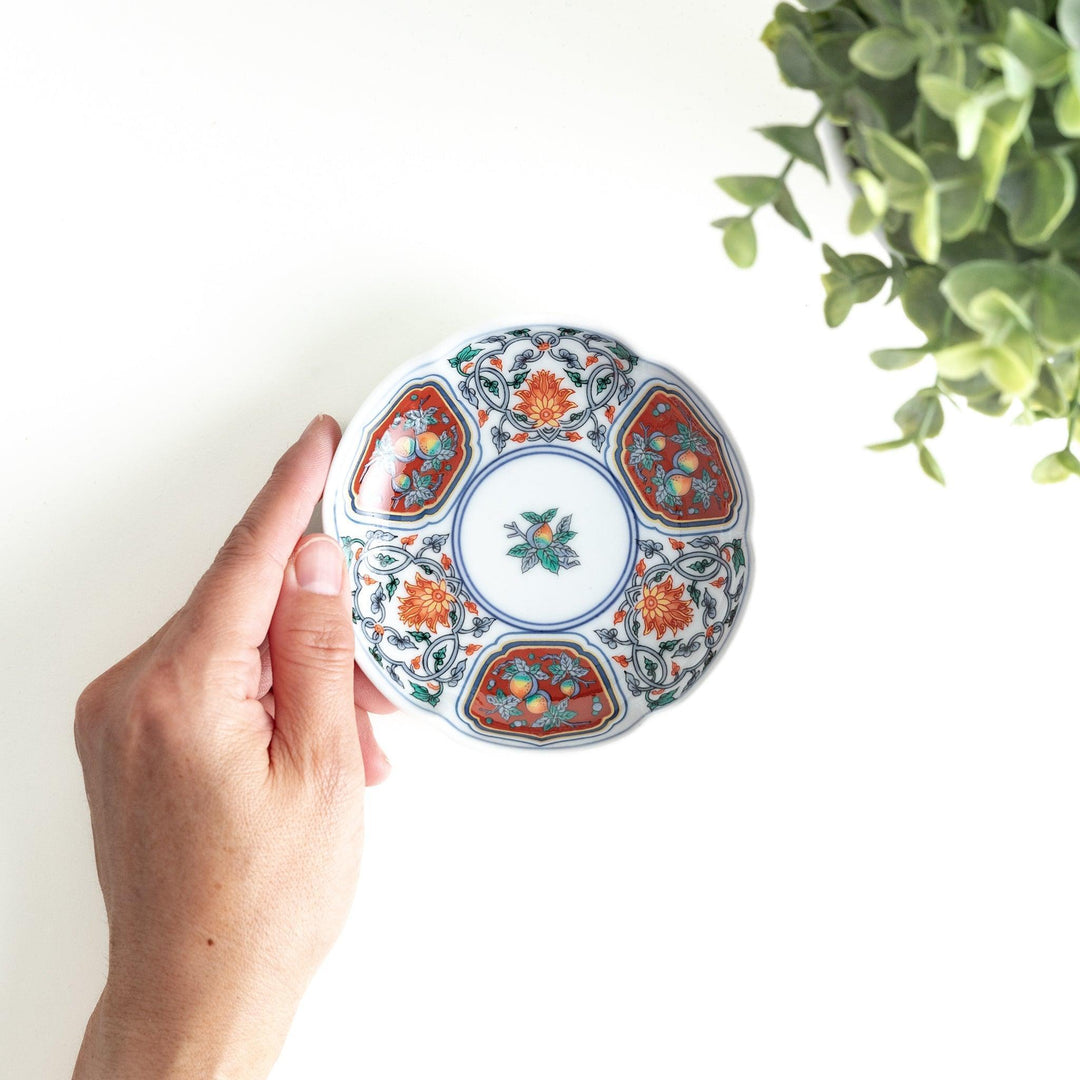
pixel 417 630
pixel 497 368
pixel 711 576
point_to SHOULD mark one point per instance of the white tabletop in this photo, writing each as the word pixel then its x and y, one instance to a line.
pixel 851 853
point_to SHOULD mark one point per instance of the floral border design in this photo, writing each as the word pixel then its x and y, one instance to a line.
pixel 491 376
pixel 379 561
pixel 708 573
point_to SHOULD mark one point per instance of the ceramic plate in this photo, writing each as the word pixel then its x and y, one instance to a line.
pixel 546 534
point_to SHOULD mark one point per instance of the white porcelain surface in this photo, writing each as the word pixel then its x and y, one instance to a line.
pixel 546 535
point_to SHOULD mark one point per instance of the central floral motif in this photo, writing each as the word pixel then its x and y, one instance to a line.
pixel 663 608
pixel 544 545
pixel 543 401
pixel 426 603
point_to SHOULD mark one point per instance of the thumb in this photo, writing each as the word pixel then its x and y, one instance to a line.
pixel 311 655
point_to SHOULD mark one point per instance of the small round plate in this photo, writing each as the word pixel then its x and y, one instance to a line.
pixel 546 535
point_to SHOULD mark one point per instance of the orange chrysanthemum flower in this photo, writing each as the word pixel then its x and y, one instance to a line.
pixel 426 603
pixel 544 399
pixel 663 608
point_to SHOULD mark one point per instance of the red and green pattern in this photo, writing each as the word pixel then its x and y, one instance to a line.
pixel 413 457
pixel 542 691
pixel 675 463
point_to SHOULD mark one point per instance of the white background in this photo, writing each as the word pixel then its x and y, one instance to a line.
pixel 852 855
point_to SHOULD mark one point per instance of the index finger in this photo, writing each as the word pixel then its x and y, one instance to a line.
pixel 235 599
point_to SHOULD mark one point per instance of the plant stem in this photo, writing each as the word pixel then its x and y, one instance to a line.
pixel 790 163
pixel 1073 414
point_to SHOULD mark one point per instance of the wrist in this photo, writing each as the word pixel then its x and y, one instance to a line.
pixel 132 1038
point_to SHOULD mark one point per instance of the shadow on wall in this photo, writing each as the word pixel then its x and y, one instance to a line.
pixel 112 593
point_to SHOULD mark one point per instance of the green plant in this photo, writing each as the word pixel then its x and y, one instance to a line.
pixel 961 122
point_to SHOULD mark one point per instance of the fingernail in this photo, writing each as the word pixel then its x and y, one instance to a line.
pixel 320 566
pixel 315 421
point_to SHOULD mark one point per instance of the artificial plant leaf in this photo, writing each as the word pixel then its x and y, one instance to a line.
pixel 947 58
pixel 1068 21
pixel 963 361
pixel 926 227
pixel 752 191
pixel 839 300
pixel 870 207
pixel 895 359
pixel 1013 366
pixel 788 15
pixel 859 112
pixel 943 94
pixel 959 188
pixel 1036 196
pixel 922 416
pixel 798 64
pixel 999 10
pixel 886 52
pixel 892 444
pixel 1017 76
pixel 862 219
pixel 1055 305
pixel 969 121
pixel 1003 123
pixel 929 128
pixel 1067 110
pixel 1056 467
pixel 907 178
pixel 994 312
pixel 834 52
pixel 992 404
pixel 1048 397
pixel 885 12
pixel 867 274
pixel 785 206
pixel 988 244
pixel 873 190
pixel 740 242
pixel 835 261
pixel 801 142
pixel 899 278
pixel 844 20
pixel 929 465
pixel 1037 46
pixel 923 302
pixel 939 15
pixel 965 283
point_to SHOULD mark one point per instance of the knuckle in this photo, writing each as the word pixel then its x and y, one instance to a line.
pixel 89 704
pixel 155 692
pixel 89 708
pixel 326 644
pixel 334 786
pixel 242 542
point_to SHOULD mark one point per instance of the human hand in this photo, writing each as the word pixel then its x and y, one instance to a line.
pixel 225 762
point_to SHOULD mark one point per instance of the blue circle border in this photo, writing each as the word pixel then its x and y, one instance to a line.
pixel 455 539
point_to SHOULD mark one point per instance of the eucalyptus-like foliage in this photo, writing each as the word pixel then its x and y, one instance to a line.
pixel 961 121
